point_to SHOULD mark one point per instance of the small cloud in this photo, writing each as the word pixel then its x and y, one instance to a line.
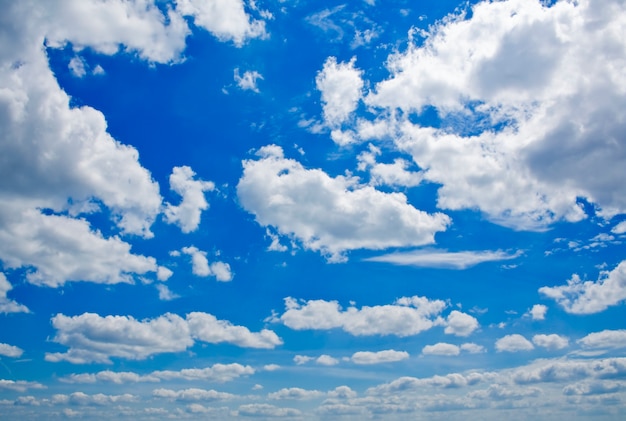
pixel 248 82
pixel 77 66
pixel 443 259
pixel 513 343
pixel 165 294
pixel 538 312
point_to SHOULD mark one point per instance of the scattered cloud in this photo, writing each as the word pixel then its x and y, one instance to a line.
pixel 386 356
pixel 192 395
pixel 295 393
pixel 406 317
pixel 247 82
pixel 187 214
pixel 606 339
pixel 200 265
pixel 538 312
pixel 443 259
pixel 588 297
pixel 441 348
pixel 460 324
pixel 10 351
pixel 514 343
pixel 93 338
pixel 551 342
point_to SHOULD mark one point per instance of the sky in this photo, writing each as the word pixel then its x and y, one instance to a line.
pixel 312 210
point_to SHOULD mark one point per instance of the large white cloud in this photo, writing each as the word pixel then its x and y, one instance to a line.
pixel 407 316
pixel 605 339
pixel 93 338
pixel 587 297
pixel 330 215
pixel 532 169
pixel 61 159
pixel 551 342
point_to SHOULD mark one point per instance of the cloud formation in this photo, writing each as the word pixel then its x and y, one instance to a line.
pixel 93 338
pixel 330 215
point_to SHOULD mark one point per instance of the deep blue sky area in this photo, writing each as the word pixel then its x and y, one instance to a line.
pixel 305 210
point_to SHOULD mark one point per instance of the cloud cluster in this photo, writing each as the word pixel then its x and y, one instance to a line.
pixel 473 72
pixel 588 297
pixel 200 265
pixel 93 338
pixel 330 215
pixel 407 316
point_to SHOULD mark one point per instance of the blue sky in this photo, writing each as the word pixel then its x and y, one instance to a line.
pixel 307 210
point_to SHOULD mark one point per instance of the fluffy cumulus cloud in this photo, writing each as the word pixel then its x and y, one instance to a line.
pixel 386 356
pixel 295 393
pixel 8 305
pixel 515 343
pixel 330 215
pixel 472 71
pixel 341 88
pixel 587 297
pixel 93 338
pixel 10 351
pixel 460 324
pixel 192 395
pixel 442 258
pixel 606 339
pixel 19 385
pixel 220 373
pixel 551 342
pixel 41 134
pixel 538 312
pixel 187 213
pixel 225 19
pixel 441 348
pixel 266 410
pixel 407 316
pixel 200 265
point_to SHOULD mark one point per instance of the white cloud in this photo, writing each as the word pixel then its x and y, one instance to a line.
pixel 386 356
pixel 201 267
pixel 77 66
pixel 341 87
pixel 301 359
pixel 562 370
pixel 441 348
pixel 619 228
pixel 66 249
pixel 460 324
pixel 326 360
pixel 330 215
pixel 19 385
pixel 265 410
pixel 551 342
pixel 248 81
pixel 192 395
pixel 395 174
pixel 10 351
pixel 227 20
pixel 165 294
pixel 443 259
pixel 163 273
pixel 208 328
pixel 513 343
pixel 606 339
pixel 588 297
pixel 220 373
pixel 6 304
pixel 473 72
pixel 342 392
pixel 472 348
pixel 406 317
pixel 538 312
pixel 93 338
pixel 187 214
pixel 295 393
